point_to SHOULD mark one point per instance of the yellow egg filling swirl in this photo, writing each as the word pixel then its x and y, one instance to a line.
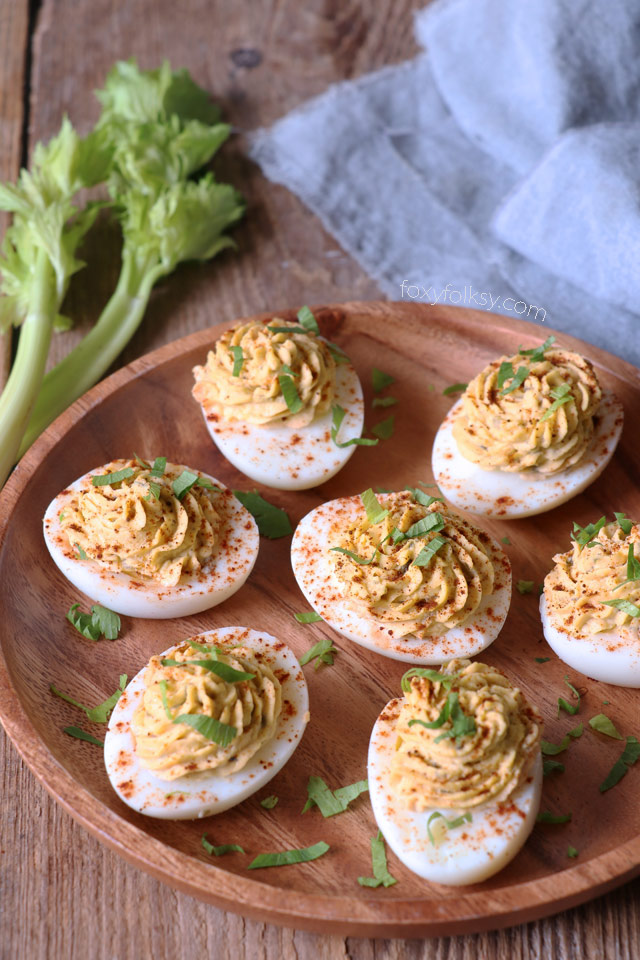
pixel 427 569
pixel 139 526
pixel 251 707
pixel 498 736
pixel 584 581
pixel 544 424
pixel 242 377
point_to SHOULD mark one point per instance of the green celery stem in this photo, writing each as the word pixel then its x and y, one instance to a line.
pixel 95 353
pixel 21 389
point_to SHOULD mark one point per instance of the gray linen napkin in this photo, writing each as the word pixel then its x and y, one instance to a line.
pixel 500 169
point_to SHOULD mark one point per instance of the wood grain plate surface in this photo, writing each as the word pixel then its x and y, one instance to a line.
pixel 147 407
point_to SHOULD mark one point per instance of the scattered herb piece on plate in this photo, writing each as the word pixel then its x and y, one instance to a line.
pixel 286 857
pixel 273 522
pixel 381 875
pixel 324 650
pixel 222 849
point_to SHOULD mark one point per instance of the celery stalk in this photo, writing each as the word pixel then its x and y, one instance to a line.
pixel 27 371
pixel 95 353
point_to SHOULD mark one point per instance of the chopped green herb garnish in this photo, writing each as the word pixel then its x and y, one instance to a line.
pixel 83 622
pixel 354 556
pixel 561 394
pixel 446 824
pixel 102 712
pixel 505 540
pixel 380 380
pixel 106 620
pixel 603 724
pixel 238 361
pixel 375 511
pixel 110 478
pixel 625 606
pixel 208 727
pixel 433 523
pixel 82 555
pixel 548 766
pixel 159 467
pixel 154 490
pixel 286 857
pixel 552 749
pixel 624 523
pixel 429 550
pixel 308 616
pixel 323 650
pixel 423 498
pixel 61 516
pixel 99 714
pixel 188 479
pixel 269 802
pixel 381 875
pixel 542 659
pixel 461 724
pixel 290 394
pixel 223 670
pixel 338 415
pixel 222 849
pixel 563 704
pixel 273 522
pixel 446 679
pixel 536 354
pixel 627 758
pixel 525 586
pixel 633 569
pixel 545 816
pixel 384 429
pixel 331 802
pixel 571 851
pixel 455 388
pixel 285 368
pixel 576 732
pixel 384 401
pixel 80 734
pixel 141 463
pixel 506 373
pixel 307 320
pixel 585 536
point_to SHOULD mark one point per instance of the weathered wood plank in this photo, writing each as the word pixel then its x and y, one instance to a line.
pixel 14 19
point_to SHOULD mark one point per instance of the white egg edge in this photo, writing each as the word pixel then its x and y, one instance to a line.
pixel 407 650
pixel 604 657
pixel 452 470
pixel 237 441
pixel 102 585
pixel 201 800
pixel 452 863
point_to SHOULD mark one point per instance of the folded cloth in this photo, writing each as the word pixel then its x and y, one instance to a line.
pixel 455 171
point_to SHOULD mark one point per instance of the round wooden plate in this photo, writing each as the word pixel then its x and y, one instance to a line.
pixel 147 408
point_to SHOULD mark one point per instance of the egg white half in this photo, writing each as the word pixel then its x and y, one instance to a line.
pixel 233 559
pixel 500 493
pixel 612 656
pixel 278 456
pixel 470 853
pixel 206 793
pixel 313 570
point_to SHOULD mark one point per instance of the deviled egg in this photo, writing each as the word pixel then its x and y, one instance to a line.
pixel 403 575
pixel 455 772
pixel 530 432
pixel 149 540
pixel 206 724
pixel 590 606
pixel 280 403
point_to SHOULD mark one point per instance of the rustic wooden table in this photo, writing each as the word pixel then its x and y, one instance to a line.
pixel 62 893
